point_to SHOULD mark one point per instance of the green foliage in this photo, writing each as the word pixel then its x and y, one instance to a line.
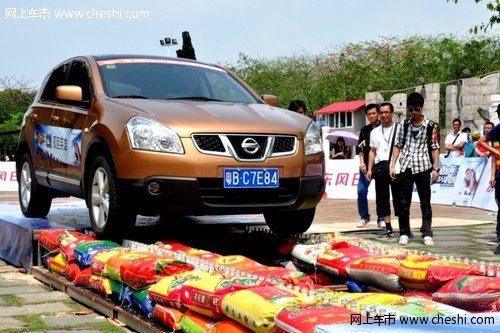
pixel 390 64
pixel 494 7
pixel 15 98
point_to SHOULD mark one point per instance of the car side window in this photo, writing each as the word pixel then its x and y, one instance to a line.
pixel 79 76
pixel 57 78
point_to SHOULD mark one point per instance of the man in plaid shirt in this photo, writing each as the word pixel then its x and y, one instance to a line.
pixel 413 149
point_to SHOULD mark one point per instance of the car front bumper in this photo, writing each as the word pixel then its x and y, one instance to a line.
pixel 204 196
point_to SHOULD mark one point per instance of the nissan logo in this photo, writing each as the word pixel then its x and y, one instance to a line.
pixel 250 146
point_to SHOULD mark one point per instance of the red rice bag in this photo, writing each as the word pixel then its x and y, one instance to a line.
pixel 168 289
pixel 476 293
pixel 69 243
pixel 380 271
pixel 173 246
pixel 288 276
pixel 305 319
pixel 429 273
pixel 51 239
pixel 99 260
pixel 237 262
pixel 204 295
pixel 82 279
pixel 141 272
pixel 115 262
pixel 72 270
pixel 167 316
pixel 337 256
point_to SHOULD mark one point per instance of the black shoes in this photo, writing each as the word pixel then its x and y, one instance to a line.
pixel 386 233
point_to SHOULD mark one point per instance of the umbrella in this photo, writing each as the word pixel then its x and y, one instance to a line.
pixel 350 139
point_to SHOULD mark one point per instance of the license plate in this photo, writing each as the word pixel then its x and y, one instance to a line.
pixel 251 178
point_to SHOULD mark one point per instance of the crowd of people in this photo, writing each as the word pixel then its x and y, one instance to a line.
pixel 401 156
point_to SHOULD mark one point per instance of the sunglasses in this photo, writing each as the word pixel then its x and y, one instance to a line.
pixel 414 109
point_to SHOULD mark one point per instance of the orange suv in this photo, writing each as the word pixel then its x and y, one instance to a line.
pixel 164 136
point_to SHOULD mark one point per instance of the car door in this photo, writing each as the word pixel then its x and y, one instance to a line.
pixel 39 120
pixel 67 121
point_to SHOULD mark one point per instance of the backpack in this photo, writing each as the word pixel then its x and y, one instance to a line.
pixel 470 149
pixel 429 130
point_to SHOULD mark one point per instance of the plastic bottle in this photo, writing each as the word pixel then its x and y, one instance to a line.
pixel 354 307
pixel 482 266
pixel 490 270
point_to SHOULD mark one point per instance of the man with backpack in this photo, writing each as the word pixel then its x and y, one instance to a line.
pixel 417 147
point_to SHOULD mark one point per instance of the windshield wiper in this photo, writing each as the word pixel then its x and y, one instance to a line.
pixel 130 96
pixel 196 98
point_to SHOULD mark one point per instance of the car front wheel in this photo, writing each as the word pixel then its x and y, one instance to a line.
pixel 290 222
pixel 110 216
pixel 34 199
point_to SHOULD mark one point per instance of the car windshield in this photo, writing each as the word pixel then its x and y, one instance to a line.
pixel 170 79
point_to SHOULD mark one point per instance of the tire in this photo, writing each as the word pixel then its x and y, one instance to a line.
pixel 110 215
pixel 287 223
pixel 34 199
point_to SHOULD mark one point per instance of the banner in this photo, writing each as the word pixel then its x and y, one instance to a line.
pixel 8 180
pixel 463 181
pixel 58 144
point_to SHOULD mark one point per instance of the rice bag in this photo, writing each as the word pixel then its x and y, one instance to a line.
pixel 256 308
pixel 84 252
pixel 473 293
pixel 379 271
pixel 203 295
pixel 337 256
pixel 429 273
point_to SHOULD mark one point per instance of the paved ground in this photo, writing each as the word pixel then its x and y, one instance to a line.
pixel 26 305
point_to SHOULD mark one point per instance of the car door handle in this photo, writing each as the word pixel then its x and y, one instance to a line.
pixel 54 119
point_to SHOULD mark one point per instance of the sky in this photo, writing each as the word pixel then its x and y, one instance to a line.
pixel 36 35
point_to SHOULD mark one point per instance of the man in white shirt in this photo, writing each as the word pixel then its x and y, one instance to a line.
pixel 381 145
pixel 456 140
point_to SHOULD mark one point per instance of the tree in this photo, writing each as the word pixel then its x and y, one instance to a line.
pixel 15 99
pixel 348 71
pixel 494 7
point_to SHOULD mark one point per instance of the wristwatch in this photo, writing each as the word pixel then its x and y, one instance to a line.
pixel 436 169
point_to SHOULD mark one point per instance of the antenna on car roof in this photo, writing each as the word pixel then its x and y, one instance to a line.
pixel 187 50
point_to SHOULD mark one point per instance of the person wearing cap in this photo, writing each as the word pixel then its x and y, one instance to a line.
pixel 470 146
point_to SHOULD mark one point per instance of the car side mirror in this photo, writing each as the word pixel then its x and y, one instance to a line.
pixel 69 93
pixel 270 99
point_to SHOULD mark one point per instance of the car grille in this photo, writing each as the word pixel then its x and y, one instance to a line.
pixel 213 193
pixel 246 147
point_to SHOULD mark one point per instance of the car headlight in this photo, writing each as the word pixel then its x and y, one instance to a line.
pixel 146 134
pixel 312 141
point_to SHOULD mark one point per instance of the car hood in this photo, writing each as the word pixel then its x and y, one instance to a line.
pixel 188 117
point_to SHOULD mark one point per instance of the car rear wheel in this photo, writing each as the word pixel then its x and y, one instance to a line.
pixel 290 222
pixel 34 199
pixel 110 216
